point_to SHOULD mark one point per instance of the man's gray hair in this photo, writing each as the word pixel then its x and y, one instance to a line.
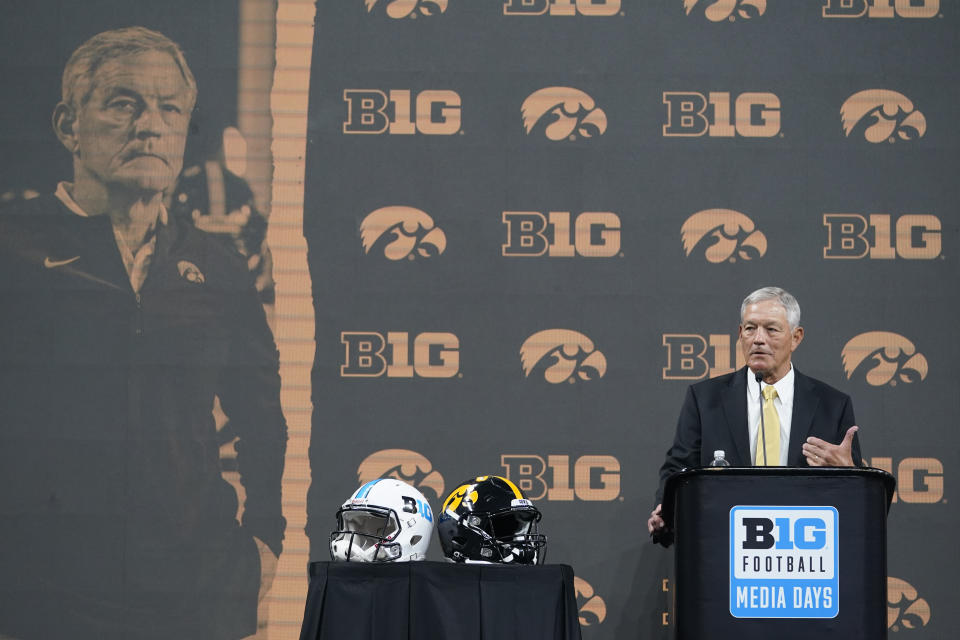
pixel 789 303
pixel 77 83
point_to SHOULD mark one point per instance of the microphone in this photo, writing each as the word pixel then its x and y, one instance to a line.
pixel 763 427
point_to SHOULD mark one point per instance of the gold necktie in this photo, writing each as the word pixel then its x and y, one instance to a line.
pixel 771 431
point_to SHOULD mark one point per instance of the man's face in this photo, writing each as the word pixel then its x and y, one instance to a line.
pixel 131 132
pixel 766 340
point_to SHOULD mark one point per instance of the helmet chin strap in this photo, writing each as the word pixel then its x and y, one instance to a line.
pixel 522 555
pixel 365 555
pixel 350 550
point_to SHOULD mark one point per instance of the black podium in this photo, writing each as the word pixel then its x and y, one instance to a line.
pixel 430 600
pixel 776 552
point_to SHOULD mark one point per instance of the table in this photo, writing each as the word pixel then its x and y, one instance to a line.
pixel 431 600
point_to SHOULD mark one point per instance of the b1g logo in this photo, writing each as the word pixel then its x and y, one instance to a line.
pixel 883 357
pixel 882 115
pixel 563 113
pixel 563 355
pixel 398 9
pixel 692 114
pixel 404 465
pixel 416 505
pixel 722 235
pixel 590 606
pixel 911 237
pixel 591 234
pixel 402 232
pixel 720 10
pixel 691 356
pixel 881 8
pixel 593 478
pixel 371 355
pixel 905 608
pixel 784 562
pixel 400 112
pixel 561 7
pixel 919 480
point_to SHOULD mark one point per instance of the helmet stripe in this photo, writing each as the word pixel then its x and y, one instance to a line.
pixel 365 489
pixel 516 490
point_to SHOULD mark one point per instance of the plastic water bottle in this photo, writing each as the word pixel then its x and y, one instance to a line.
pixel 719 459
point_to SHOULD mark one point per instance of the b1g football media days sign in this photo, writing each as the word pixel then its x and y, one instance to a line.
pixel 784 562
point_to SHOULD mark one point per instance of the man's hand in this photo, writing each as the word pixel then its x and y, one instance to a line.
pixel 820 453
pixel 655 523
pixel 268 567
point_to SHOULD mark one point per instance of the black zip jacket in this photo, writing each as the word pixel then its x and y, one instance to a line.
pixel 111 492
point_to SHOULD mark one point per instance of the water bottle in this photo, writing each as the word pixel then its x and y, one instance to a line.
pixel 719 459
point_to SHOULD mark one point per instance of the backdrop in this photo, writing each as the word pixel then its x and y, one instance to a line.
pixel 531 224
pixel 508 234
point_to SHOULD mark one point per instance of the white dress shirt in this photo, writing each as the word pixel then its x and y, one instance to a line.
pixel 783 403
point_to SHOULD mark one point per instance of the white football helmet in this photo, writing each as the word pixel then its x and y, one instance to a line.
pixel 385 520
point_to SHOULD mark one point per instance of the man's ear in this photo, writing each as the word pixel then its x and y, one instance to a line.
pixel 64 125
pixel 797 337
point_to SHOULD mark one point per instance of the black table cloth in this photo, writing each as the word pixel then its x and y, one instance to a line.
pixel 433 600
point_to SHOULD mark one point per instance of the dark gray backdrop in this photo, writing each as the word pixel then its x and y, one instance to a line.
pixel 437 431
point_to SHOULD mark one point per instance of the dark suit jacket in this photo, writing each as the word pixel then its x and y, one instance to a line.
pixel 714 416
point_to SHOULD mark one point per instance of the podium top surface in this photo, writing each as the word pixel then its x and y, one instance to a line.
pixel 832 472
pixel 686 475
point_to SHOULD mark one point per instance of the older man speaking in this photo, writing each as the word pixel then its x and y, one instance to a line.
pixel 806 422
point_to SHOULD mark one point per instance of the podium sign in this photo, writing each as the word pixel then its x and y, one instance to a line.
pixel 780 552
pixel 783 562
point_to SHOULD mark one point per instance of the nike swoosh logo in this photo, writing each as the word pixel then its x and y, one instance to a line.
pixel 53 264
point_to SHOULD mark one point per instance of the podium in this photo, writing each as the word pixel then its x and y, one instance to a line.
pixel 777 552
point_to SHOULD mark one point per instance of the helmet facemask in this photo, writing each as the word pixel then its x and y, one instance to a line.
pixel 365 534
pixel 511 537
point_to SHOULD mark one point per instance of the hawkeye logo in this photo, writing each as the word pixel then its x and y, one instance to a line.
pixel 914 237
pixel 561 7
pixel 398 9
pixel 717 115
pixel 591 607
pixel 563 355
pixel 404 465
pixel 720 10
pixel 371 355
pixel 881 114
pixel 433 112
pixel 593 234
pixel 563 113
pixel 594 478
pixel 881 8
pixel 722 235
pixel 402 232
pixel 883 358
pixel 919 480
pixel 691 356
pixel 905 608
